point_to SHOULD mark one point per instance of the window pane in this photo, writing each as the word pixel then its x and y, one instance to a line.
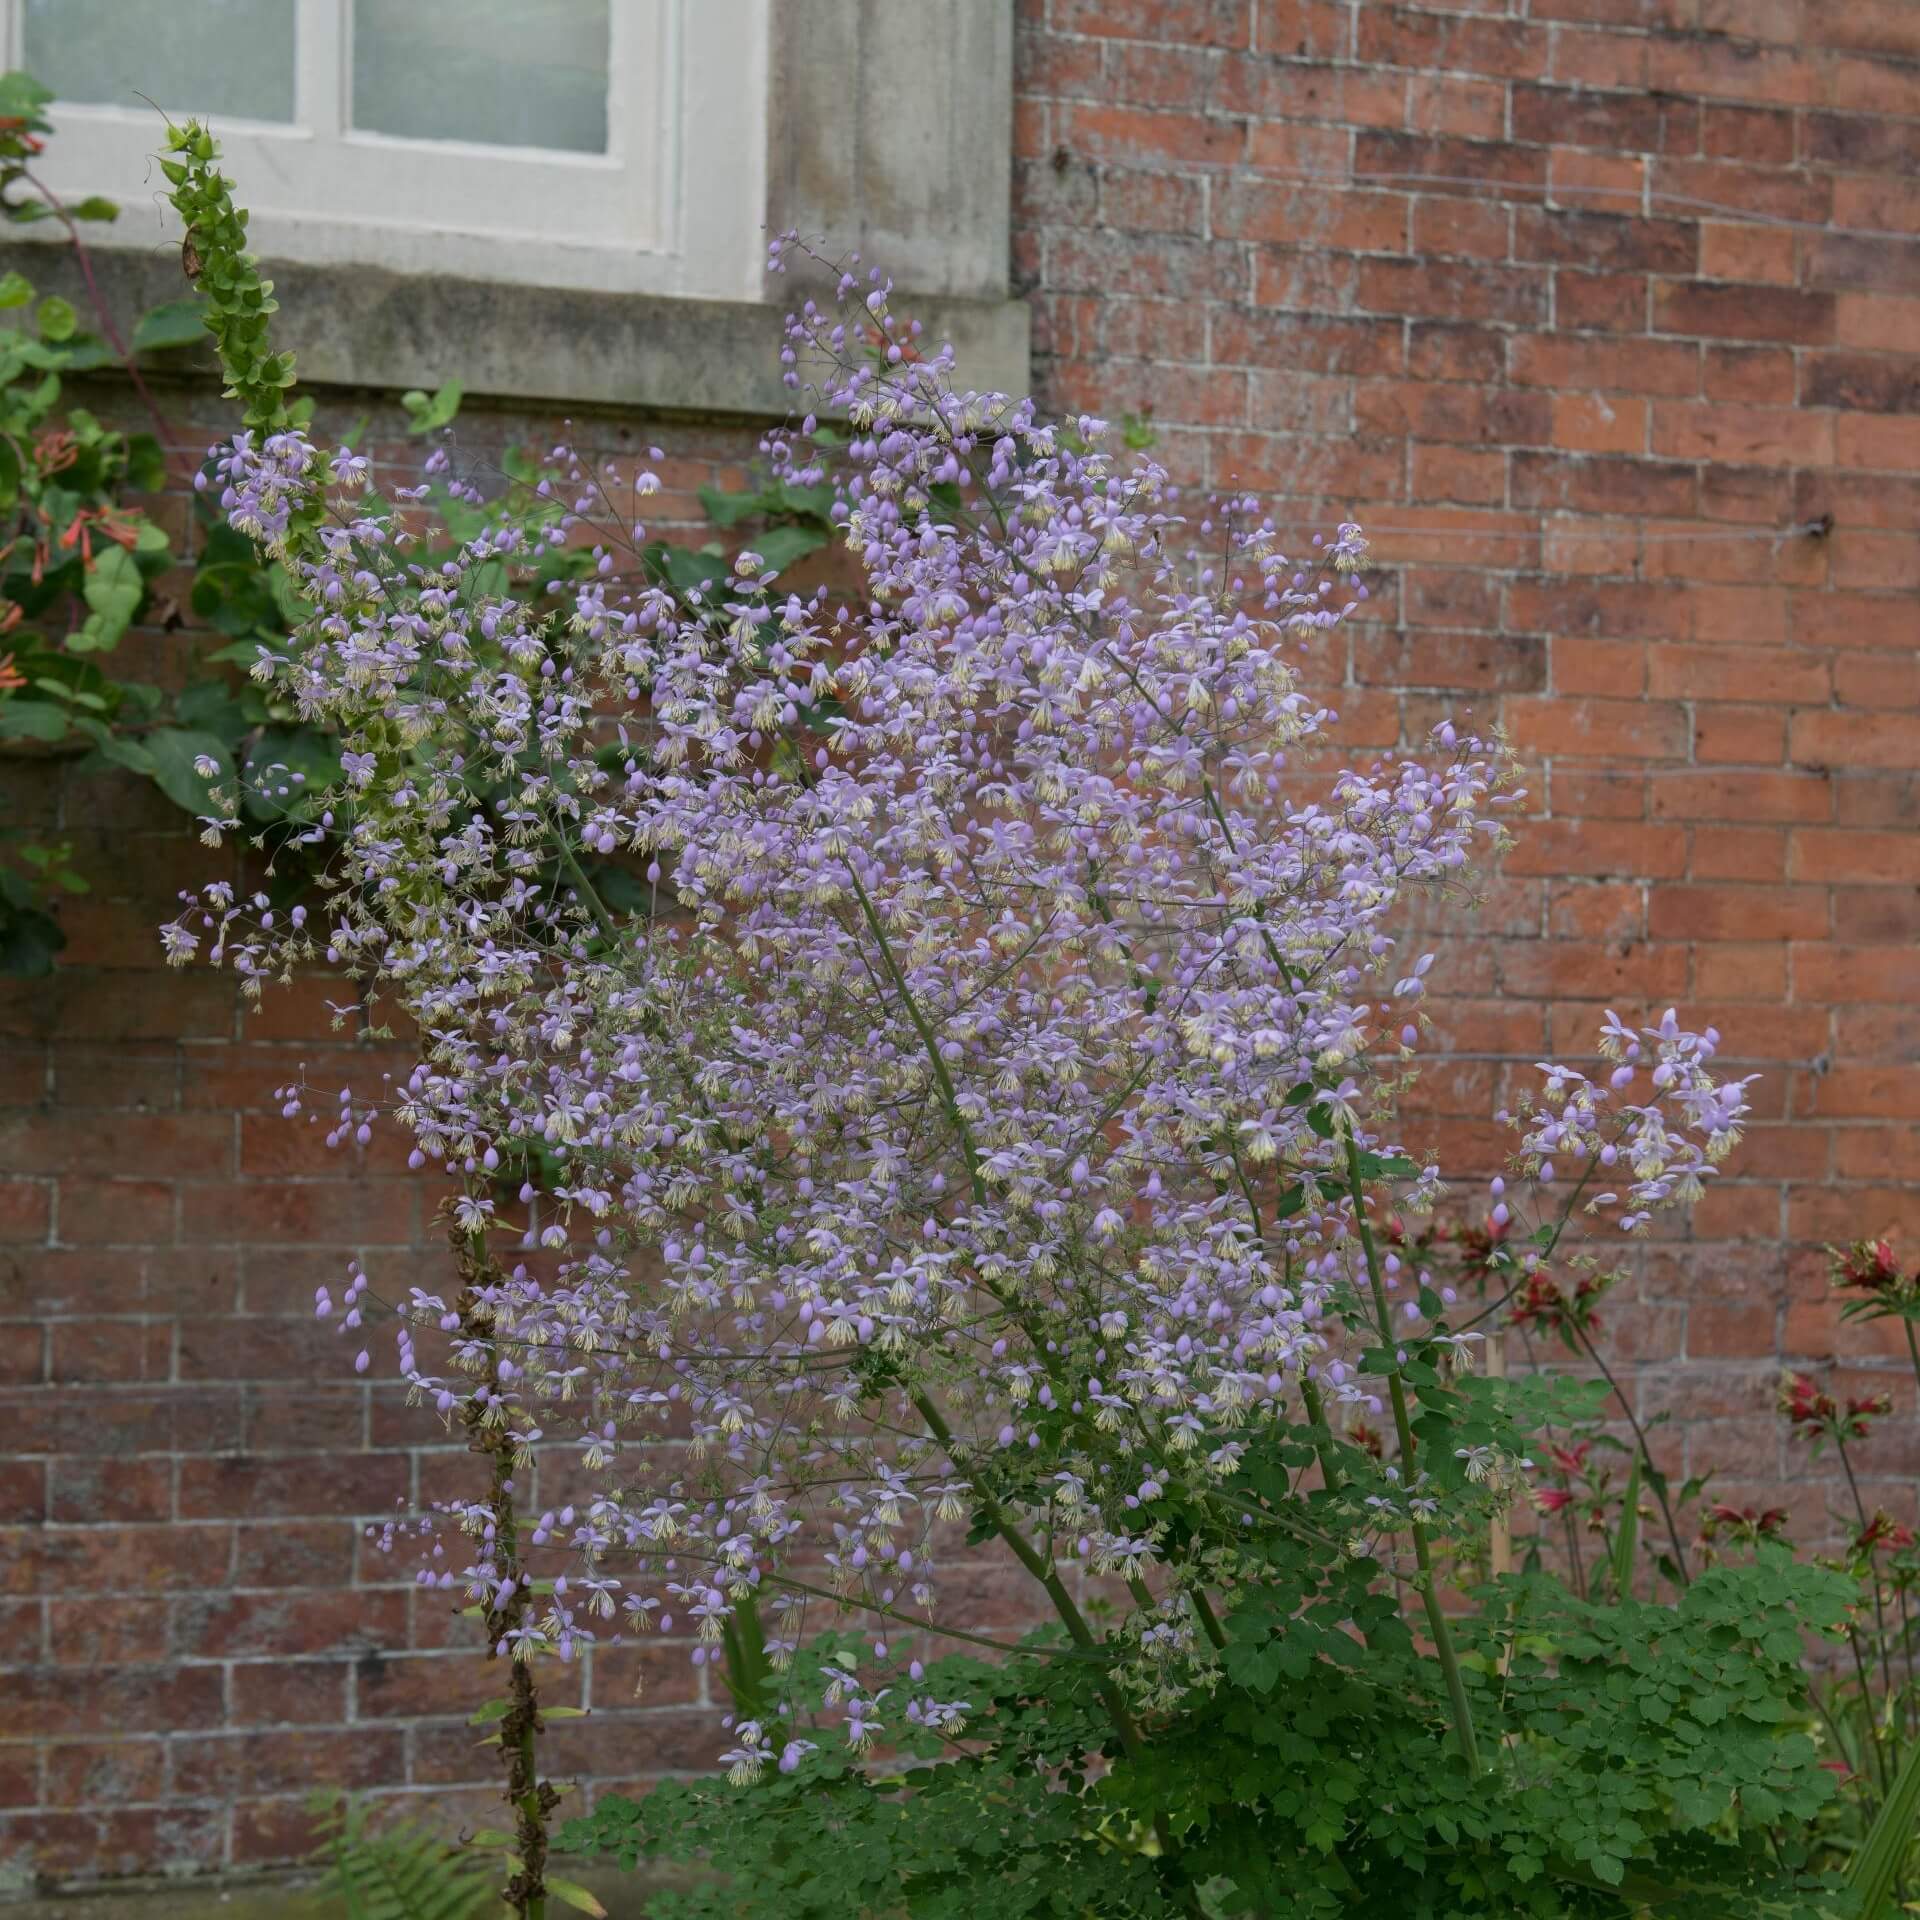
pixel 506 73
pixel 231 57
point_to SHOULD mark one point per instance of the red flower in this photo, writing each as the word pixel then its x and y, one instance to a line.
pixel 1884 1531
pixel 1805 1405
pixel 1868 1264
pixel 1755 1522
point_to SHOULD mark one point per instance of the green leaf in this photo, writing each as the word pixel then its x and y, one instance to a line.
pixel 94 207
pixel 305 752
pixel 15 290
pixel 29 939
pixel 177 323
pixel 1374 1167
pixel 56 318
pixel 210 707
pixel 22 97
pixel 729 509
pixel 426 413
pixel 748 1670
pixel 173 751
pixel 121 751
pixel 113 590
pixel 780 547
pixel 1627 1541
pixel 576 1896
pixel 43 720
pixel 685 572
pixel 1877 1865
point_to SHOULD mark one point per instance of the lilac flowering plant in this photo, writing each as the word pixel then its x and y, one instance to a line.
pixel 946 1034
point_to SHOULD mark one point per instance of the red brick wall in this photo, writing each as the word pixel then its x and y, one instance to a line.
pixel 1582 306
pixel 1443 270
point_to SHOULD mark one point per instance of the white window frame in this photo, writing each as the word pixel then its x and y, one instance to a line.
pixel 675 206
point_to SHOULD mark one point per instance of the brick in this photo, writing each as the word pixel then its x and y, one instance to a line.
pixel 1442 164
pixel 1598 729
pixel 23 1493
pixel 1858 260
pixel 1444 227
pixel 1601 847
pixel 1447 104
pixel 1599 608
pixel 1391 35
pixel 1696 912
pixel 1759 134
pixel 1765 375
pixel 1784 797
pixel 1854 739
pixel 1862 1092
pixel 1451 290
pixel 1737 853
pixel 368 1484
pixel 1404 658
pixel 1727 312
pixel 26 1211
pixel 1876 799
pixel 1640 366
pixel 1593 423
pixel 1610 241
pixel 115 1700
pixel 265 1762
pixel 1248 208
pixel 1612 60
pixel 1735 673
pixel 1601 302
pixel 1136 137
pixel 115 1212
pixel 1601 794
pixel 1706 65
pixel 1616 122
pixel 1873 916
pixel 1734 250
pixel 1199 23
pixel 1243 336
pixel 214 1625
pixel 1106 262
pixel 373 1213
pixel 1876 26
pixel 1453 474
pixel 1860 382
pixel 102 1488
pixel 1868 442
pixel 287 1693
pixel 1725 189
pixel 1842 854
pixel 1148 202
pixel 1444 350
pixel 1732 734
pixel 1583 483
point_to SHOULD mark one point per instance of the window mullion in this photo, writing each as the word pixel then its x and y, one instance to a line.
pixel 320 69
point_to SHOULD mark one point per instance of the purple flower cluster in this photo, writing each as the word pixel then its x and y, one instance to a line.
pixel 966 1116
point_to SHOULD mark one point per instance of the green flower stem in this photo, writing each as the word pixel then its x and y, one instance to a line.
pixel 1044 1572
pixel 1403 1427
pixel 1655 1478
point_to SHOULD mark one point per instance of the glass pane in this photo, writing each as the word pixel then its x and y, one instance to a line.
pixel 506 73
pixel 219 57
